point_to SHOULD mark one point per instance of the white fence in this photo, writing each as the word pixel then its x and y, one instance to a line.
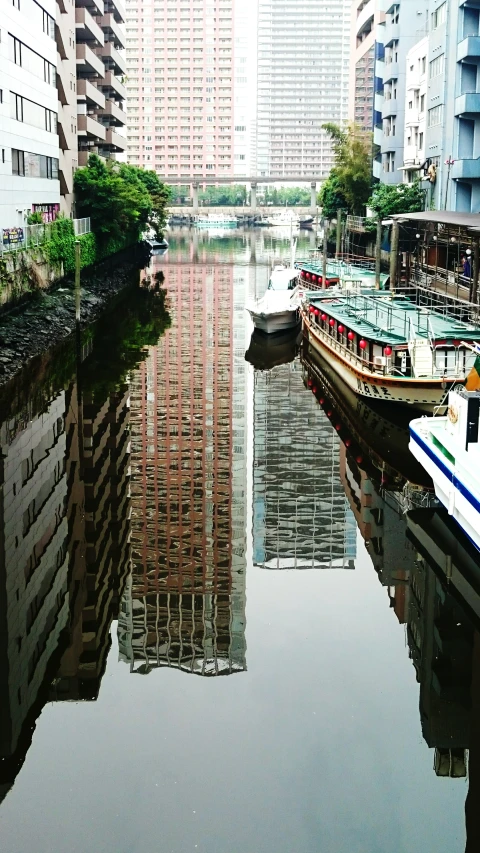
pixel 31 236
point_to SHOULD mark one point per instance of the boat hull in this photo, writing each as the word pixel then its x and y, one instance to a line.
pixel 461 499
pixel 421 394
pixel 271 324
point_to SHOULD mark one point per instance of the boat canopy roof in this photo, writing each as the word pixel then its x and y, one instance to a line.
pixel 281 278
pixel 344 271
pixel 392 320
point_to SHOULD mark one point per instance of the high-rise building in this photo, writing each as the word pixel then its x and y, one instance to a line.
pixel 303 79
pixel 185 607
pixel 301 515
pixel 365 17
pixel 180 86
pixel 29 178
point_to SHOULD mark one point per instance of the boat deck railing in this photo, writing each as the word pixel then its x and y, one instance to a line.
pixel 456 370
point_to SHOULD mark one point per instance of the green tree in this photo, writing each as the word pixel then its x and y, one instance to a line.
pixel 352 150
pixel 386 200
pixel 160 195
pixel 331 197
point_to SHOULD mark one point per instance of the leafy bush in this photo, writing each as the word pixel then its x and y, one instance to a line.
pixel 388 199
pixel 35 218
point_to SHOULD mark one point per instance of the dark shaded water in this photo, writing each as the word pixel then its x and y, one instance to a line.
pixel 169 515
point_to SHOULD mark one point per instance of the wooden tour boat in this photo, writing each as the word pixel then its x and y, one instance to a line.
pixel 387 348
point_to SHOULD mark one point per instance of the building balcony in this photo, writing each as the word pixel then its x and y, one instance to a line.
pixel 117 9
pixel 95 7
pixel 390 107
pixel 88 63
pixel 365 19
pixel 391 71
pixel 392 33
pixel 111 114
pixel 112 58
pixel 89 128
pixel 113 87
pixel 60 39
pixel 114 141
pixel 110 26
pixel 467 104
pixel 469 49
pixel 85 154
pixel 62 82
pixel 87 28
pixel 412 155
pixel 466 169
pixel 86 91
pixel 377 135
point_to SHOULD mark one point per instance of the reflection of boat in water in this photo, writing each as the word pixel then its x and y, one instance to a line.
pixel 380 432
pixel 449 552
pixel 270 351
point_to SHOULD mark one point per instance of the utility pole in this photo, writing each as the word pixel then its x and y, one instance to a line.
pixel 475 271
pixel 449 163
pixel 394 256
pixel 378 253
pixel 339 234
pixel 324 254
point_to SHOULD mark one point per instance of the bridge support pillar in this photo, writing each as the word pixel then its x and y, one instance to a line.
pixel 195 197
pixel 313 197
pixel 253 197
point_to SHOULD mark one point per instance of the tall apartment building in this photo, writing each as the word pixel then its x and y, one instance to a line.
pixel 185 607
pixel 29 177
pixel 61 97
pixel 365 17
pixel 301 516
pixel 180 86
pixel 303 80
pixel 401 28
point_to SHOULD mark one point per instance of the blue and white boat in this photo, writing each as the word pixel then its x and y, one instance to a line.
pixel 448 447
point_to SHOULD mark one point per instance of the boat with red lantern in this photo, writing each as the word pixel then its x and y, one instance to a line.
pixel 353 273
pixel 386 348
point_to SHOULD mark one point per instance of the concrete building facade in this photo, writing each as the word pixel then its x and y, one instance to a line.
pixel 303 81
pixel 29 178
pixel 180 86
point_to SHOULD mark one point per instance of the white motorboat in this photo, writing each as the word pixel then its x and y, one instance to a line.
pixel 283 217
pixel 277 311
pixel 216 221
pixel 449 449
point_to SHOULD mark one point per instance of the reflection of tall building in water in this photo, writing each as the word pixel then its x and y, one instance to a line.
pixel 98 471
pixel 34 605
pixel 185 607
pixel 301 516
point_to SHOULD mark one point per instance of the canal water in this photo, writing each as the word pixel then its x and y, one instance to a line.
pixel 228 623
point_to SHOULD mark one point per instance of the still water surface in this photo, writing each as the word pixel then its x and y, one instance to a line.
pixel 220 630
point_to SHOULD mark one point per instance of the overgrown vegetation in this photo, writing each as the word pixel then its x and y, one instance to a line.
pixel 386 199
pixel 121 200
pixel 348 185
pixel 60 248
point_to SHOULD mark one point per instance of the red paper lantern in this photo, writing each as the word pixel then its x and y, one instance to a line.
pixel 359 460
pixel 331 321
pixel 311 309
pixel 309 383
pixel 329 414
pixel 314 389
pixel 350 336
pixel 388 350
pixel 362 344
pixel 338 427
pixel 317 312
pixel 321 400
pixel 314 277
pixel 341 329
pixel 348 442
pixel 324 317
pixel 308 275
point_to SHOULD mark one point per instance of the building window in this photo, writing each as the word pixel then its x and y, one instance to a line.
pixel 439 16
pixel 32 165
pixel 437 65
pixel 435 116
pixel 22 55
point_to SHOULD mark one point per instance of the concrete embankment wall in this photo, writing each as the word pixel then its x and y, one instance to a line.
pixel 24 272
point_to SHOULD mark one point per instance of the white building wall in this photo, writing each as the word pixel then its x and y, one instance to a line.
pixel 19 194
pixel 245 86
pixel 415 109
